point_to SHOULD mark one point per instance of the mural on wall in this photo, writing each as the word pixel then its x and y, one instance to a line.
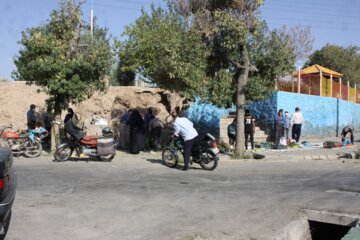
pixel 206 116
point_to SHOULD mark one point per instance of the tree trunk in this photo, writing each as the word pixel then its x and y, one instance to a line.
pixel 240 105
pixel 55 130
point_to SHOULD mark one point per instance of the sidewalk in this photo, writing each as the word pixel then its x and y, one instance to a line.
pixel 307 153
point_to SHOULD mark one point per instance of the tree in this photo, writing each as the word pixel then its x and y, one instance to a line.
pixel 205 48
pixel 298 38
pixel 63 57
pixel 161 48
pixel 123 76
pixel 272 56
pixel 226 27
pixel 340 59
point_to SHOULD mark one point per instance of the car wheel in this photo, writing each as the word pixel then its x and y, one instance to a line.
pixel 6 226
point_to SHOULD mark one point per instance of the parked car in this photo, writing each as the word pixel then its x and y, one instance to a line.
pixel 7 189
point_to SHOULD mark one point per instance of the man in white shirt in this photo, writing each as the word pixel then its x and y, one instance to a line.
pixel 297 120
pixel 185 128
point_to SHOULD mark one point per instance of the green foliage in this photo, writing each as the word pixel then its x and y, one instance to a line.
pixel 161 48
pixel 272 57
pixel 197 50
pixel 123 76
pixel 228 28
pixel 340 59
pixel 221 88
pixel 63 57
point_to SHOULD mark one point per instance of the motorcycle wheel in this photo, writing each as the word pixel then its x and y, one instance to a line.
pixel 32 149
pixel 209 162
pixel 107 158
pixel 169 158
pixel 63 153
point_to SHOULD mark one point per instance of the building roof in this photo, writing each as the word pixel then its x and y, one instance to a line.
pixel 316 69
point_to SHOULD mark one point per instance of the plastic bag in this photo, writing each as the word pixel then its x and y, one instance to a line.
pixel 283 141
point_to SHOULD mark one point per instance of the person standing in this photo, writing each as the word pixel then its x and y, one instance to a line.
pixel 148 117
pixel 279 126
pixel 31 117
pixel 124 130
pixel 231 131
pixel 155 128
pixel 69 115
pixel 249 122
pixel 137 132
pixel 286 125
pixel 185 128
pixel 297 120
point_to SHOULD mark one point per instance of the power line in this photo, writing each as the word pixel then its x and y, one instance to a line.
pixel 312 3
pixel 115 6
pixel 315 26
pixel 312 21
pixel 263 7
pixel 135 2
pixel 279 18
pixel 308 13
pixel 301 5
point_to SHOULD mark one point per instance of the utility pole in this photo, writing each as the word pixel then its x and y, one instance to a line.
pixel 92 18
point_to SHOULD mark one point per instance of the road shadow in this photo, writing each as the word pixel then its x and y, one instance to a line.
pixel 82 159
pixel 158 161
pixel 179 166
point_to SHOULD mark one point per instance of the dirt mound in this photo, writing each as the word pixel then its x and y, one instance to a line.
pixel 15 100
pixel 16 97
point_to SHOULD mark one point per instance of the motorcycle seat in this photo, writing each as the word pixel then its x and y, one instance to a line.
pixel 89 138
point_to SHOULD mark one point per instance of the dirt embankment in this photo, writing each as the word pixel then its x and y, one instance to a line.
pixel 16 97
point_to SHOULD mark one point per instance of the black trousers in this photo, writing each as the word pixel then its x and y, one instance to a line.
pixel 296 132
pixel 251 135
pixel 187 152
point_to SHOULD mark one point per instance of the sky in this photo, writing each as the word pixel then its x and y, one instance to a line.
pixel 332 21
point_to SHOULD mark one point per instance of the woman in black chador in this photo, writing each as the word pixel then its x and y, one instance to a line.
pixel 137 132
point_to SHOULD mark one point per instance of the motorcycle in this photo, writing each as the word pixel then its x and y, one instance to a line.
pixel 100 147
pixel 30 144
pixel 204 152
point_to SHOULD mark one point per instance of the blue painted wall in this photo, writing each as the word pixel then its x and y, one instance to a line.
pixel 323 116
pixel 206 117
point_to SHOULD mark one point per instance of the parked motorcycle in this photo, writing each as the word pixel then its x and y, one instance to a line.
pixel 100 147
pixel 204 152
pixel 29 144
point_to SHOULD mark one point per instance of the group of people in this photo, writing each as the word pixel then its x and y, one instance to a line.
pixel 283 122
pixel 33 121
pixel 140 130
pixel 149 129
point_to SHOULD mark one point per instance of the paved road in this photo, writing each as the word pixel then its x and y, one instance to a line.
pixel 138 198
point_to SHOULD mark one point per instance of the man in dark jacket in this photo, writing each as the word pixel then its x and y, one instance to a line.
pixel 31 117
pixel 249 122
pixel 231 131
